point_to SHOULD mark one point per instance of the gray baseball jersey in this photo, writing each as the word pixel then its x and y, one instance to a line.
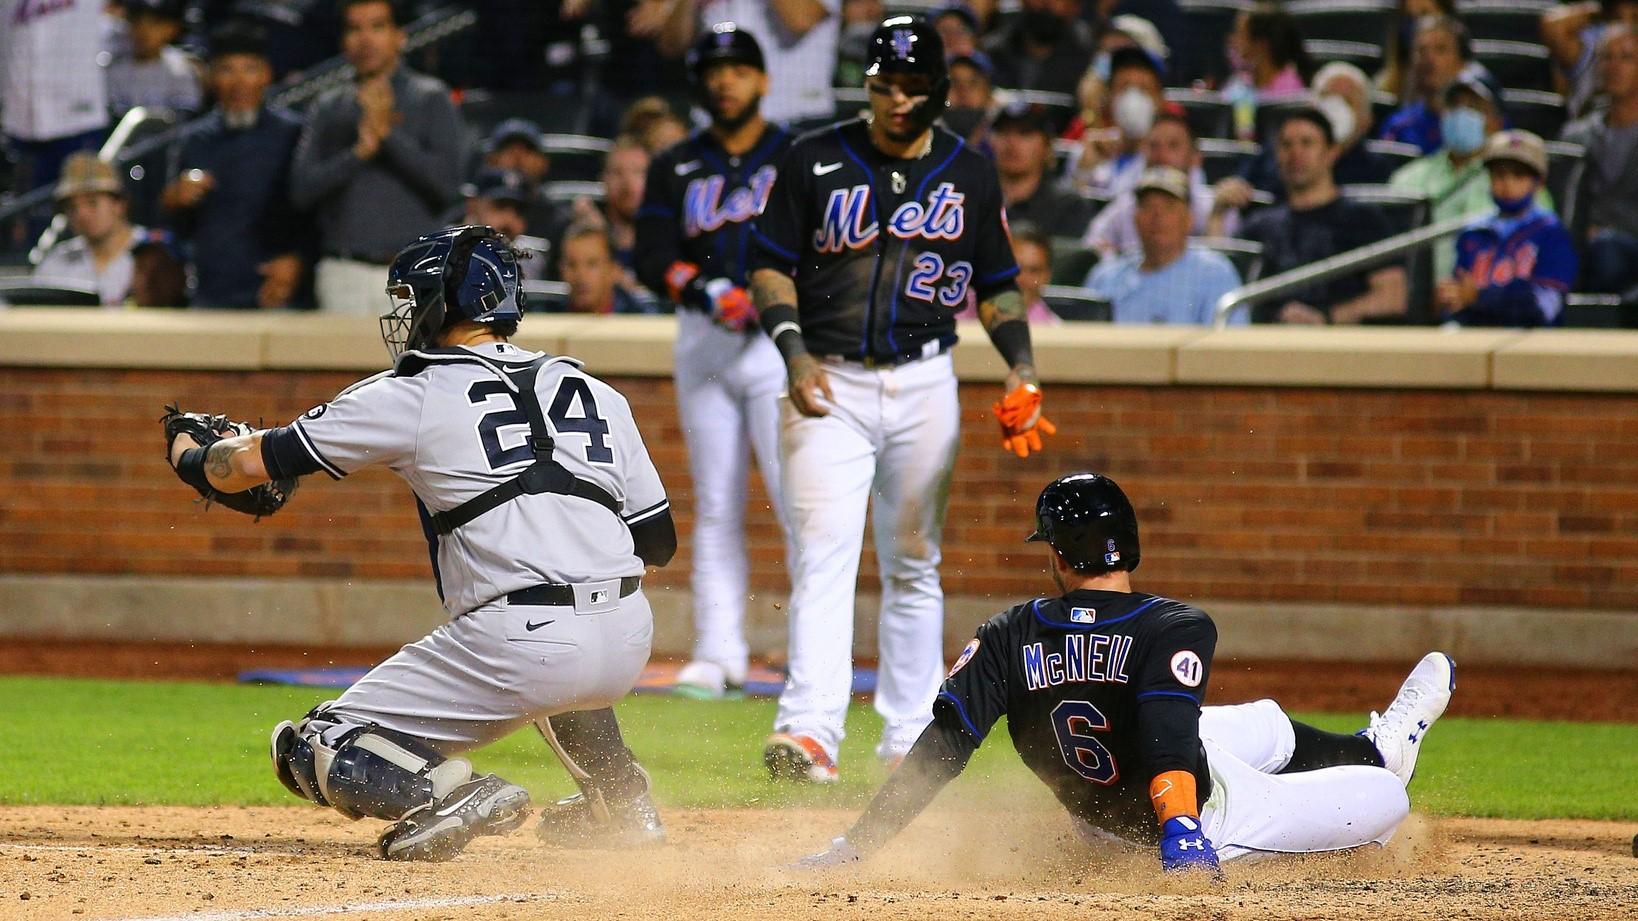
pixel 454 430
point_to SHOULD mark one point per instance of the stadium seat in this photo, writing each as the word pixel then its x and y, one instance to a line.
pixel 576 156
pixel 1566 164
pixel 1512 20
pixel 1207 24
pixel 1076 304
pixel 1344 20
pixel 1246 255
pixel 1515 64
pixel 1535 110
pixel 1208 113
pixel 1072 261
pixel 1364 55
pixel 1394 153
pixel 567 190
pixel 1591 311
pixel 1221 158
pixel 31 292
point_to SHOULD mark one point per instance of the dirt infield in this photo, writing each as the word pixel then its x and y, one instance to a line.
pixel 227 864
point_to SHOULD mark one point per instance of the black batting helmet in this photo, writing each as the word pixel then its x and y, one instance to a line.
pixel 724 42
pixel 1090 522
pixel 908 45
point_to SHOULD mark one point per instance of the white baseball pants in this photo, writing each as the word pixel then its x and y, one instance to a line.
pixel 487 673
pixel 728 388
pixel 1253 811
pixel 890 442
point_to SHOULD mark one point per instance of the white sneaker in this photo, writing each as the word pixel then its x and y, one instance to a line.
pixel 704 680
pixel 1398 732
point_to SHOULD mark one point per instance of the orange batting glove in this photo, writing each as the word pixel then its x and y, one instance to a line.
pixel 734 309
pixel 677 277
pixel 1022 424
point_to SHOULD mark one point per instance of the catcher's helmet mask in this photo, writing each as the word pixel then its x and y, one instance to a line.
pixel 472 268
pixel 908 45
pixel 1089 521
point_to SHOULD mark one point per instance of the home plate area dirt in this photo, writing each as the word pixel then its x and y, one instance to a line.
pixel 228 864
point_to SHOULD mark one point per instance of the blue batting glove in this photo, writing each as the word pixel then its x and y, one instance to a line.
pixel 838 854
pixel 1183 846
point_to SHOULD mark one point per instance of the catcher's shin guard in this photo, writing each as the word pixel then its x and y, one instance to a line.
pixel 365 771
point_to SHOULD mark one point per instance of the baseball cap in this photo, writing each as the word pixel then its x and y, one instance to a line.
pixel 157 238
pixel 1143 32
pixel 1516 146
pixel 238 37
pixel 1469 81
pixel 1168 179
pixel 516 129
pixel 84 172
pixel 1130 56
pixel 1025 115
pixel 499 185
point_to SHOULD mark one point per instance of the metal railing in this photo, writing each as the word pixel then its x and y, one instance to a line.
pixel 117 139
pixel 1345 263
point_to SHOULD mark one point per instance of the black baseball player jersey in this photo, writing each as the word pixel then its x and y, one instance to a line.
pixel 1073 676
pixel 699 203
pixel 884 251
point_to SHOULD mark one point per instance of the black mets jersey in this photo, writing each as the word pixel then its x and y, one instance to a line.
pixel 699 203
pixel 884 251
pixel 1073 675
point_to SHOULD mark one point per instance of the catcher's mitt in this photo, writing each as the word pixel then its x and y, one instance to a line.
pixel 206 430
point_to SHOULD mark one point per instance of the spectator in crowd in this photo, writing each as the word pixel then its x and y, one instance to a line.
pixel 501 199
pixel 1266 54
pixel 1453 178
pixel 1316 222
pixel 652 122
pixel 957 25
pixel 1343 93
pixel 1032 249
pixel 1171 143
pixel 972 100
pixel 53 101
pixel 1022 139
pixel 153 72
pixel 1513 267
pixel 1609 192
pixel 231 198
pixel 1396 54
pixel 587 264
pixel 625 172
pixel 1572 33
pixel 1045 47
pixel 800 38
pixel 1110 160
pixel 1167 280
pixel 1441 53
pixel 98 256
pixel 159 271
pixel 518 145
pixel 1129 31
pixel 379 159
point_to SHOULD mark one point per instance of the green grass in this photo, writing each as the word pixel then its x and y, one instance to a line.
pixel 77 741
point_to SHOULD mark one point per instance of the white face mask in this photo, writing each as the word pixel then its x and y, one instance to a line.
pixel 1339 113
pixel 1134 112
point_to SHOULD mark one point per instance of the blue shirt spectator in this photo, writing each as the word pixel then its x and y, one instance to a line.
pixel 1442 52
pixel 1167 280
pixel 231 197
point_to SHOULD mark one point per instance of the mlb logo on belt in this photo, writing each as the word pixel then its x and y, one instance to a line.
pixel 599 596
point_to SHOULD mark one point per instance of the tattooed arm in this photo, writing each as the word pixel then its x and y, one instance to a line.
pixel 1004 317
pixel 774 294
pixel 232 464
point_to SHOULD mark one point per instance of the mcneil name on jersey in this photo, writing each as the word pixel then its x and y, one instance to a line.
pixel 1086 658
pixel 942 218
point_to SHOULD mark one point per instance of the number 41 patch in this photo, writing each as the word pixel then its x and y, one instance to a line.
pixel 1187 668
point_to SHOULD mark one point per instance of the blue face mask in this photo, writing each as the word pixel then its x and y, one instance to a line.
pixel 1512 206
pixel 1463 130
pixel 1100 67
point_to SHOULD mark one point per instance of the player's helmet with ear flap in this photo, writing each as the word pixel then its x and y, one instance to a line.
pixel 909 45
pixel 1090 522
pixel 463 273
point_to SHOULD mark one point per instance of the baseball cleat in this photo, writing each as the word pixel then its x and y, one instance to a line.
pixel 1399 730
pixel 702 680
pixel 439 830
pixel 583 821
pixel 799 758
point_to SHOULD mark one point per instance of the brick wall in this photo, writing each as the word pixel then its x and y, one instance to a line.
pixel 1392 497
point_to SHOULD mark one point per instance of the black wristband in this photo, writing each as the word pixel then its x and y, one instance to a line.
pixel 1011 339
pixel 191 468
pixel 783 325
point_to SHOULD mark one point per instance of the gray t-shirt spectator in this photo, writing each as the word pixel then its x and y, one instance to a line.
pixel 1610 189
pixel 368 210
